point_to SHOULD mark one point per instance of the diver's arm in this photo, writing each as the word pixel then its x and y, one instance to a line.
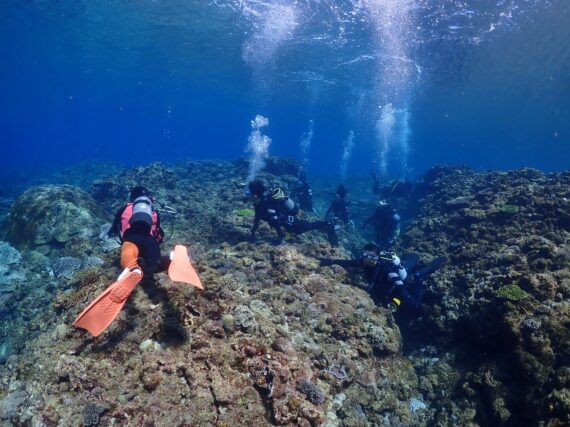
pixel 159 231
pixel 256 222
pixel 344 263
pixel 255 226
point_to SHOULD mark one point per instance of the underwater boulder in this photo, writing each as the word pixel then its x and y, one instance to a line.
pixel 49 216
pixel 10 262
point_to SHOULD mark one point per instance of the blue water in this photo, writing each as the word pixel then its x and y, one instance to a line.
pixel 482 83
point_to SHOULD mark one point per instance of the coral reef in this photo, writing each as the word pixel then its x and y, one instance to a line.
pixel 10 259
pixel 500 306
pixel 275 339
pixel 50 216
pixel 313 393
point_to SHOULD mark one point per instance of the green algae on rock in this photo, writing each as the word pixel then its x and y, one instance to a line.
pixel 245 212
pixel 509 209
pixel 511 292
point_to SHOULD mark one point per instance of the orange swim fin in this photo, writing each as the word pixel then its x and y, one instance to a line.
pixel 106 307
pixel 180 269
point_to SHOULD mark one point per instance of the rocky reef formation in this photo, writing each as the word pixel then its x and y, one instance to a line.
pixel 498 314
pixel 275 339
pixel 48 217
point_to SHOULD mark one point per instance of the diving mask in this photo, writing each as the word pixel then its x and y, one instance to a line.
pixel 370 258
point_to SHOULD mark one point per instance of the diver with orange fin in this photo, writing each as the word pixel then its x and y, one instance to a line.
pixel 138 226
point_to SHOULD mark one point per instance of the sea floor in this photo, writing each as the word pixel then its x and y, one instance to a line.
pixel 275 338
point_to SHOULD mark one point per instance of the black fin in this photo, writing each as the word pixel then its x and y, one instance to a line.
pixel 410 262
pixel 432 266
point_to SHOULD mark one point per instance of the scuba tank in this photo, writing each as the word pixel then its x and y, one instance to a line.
pixel 142 211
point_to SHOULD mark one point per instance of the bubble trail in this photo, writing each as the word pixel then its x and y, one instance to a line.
pixel 347 148
pixel 257 146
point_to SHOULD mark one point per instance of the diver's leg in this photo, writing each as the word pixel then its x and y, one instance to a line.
pixel 150 253
pixel 412 295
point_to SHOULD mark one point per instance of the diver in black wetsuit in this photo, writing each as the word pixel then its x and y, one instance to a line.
pixel 279 211
pixel 286 215
pixel 339 207
pixel 394 188
pixel 303 193
pixel 386 223
pixel 387 277
pixel 264 207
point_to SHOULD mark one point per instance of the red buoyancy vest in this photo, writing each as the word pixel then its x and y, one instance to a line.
pixel 126 216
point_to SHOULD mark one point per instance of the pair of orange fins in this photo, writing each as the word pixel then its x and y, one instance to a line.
pixel 106 307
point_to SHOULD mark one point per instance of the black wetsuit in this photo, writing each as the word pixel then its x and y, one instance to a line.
pixel 288 220
pixel 339 209
pixel 386 224
pixel 385 281
pixel 278 216
pixel 266 210
pixel 150 258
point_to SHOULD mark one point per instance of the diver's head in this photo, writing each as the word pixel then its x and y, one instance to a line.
pixel 255 188
pixel 341 191
pixel 139 191
pixel 371 254
pixel 277 194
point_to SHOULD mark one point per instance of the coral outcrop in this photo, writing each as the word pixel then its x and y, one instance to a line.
pixel 52 216
pixel 499 311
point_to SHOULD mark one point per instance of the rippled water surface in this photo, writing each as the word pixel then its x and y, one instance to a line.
pixel 405 83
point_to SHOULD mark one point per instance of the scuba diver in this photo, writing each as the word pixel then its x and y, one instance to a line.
pixel 303 193
pixel 138 226
pixel 386 223
pixel 395 188
pixel 279 211
pixel 339 206
pixel 387 278
pixel 264 209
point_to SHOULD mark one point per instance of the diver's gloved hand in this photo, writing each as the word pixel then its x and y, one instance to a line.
pixel 393 304
pixel 277 241
pixel 325 262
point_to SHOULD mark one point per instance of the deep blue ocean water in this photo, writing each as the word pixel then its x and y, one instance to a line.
pixel 482 83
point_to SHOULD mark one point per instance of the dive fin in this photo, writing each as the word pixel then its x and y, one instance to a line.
pixel 432 266
pixel 106 307
pixel 410 262
pixel 180 269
